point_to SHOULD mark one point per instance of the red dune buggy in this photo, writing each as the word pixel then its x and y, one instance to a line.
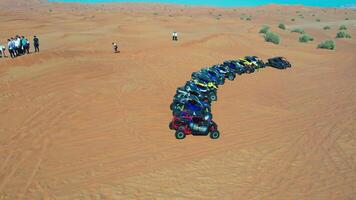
pixel 187 125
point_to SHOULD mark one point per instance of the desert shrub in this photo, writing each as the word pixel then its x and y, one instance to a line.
pixel 272 37
pixel 292 20
pixel 298 30
pixel 343 34
pixel 347 19
pixel 318 20
pixel 327 27
pixel 305 38
pixel 248 18
pixel 155 13
pixel 282 26
pixel 327 44
pixel 343 27
pixel 264 29
pixel 313 15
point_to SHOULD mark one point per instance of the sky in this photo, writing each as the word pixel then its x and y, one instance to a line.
pixel 229 3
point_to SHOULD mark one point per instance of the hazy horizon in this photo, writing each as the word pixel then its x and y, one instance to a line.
pixel 229 3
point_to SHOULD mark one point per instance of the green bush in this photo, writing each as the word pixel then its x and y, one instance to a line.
pixel 264 29
pixel 327 27
pixel 305 38
pixel 347 19
pixel 327 44
pixel 318 20
pixel 248 18
pixel 298 30
pixel 272 37
pixel 343 27
pixel 292 20
pixel 343 34
pixel 282 26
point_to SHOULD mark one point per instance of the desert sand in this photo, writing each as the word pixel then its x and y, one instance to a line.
pixel 80 122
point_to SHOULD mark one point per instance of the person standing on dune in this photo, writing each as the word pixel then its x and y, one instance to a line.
pixel 27 46
pixel 2 51
pixel 17 42
pixel 175 36
pixel 23 44
pixel 114 45
pixel 36 43
pixel 10 47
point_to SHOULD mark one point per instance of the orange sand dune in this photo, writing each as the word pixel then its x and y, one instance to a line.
pixel 79 122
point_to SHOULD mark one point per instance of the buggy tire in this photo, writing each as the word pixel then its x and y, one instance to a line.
pixel 214 135
pixel 180 134
pixel 231 77
pixel 171 106
pixel 170 125
pixel 213 97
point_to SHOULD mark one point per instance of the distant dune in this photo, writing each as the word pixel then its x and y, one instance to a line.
pixel 80 122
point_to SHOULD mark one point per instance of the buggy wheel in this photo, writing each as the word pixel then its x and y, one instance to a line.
pixel 231 77
pixel 213 97
pixel 171 106
pixel 214 135
pixel 170 125
pixel 180 134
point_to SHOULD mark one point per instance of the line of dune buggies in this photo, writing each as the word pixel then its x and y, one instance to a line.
pixel 191 105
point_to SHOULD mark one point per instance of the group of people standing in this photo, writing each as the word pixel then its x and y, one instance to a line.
pixel 18 46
